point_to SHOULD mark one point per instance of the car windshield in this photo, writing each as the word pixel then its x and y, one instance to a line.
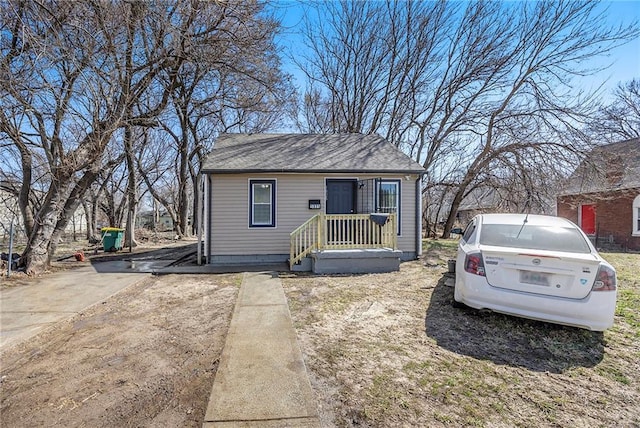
pixel 534 237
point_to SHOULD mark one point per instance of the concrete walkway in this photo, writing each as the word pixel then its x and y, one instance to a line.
pixel 261 380
pixel 26 310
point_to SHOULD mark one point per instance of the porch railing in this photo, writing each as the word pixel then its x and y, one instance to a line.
pixel 341 231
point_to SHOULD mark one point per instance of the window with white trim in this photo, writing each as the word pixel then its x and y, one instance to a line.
pixel 262 203
pixel 636 216
pixel 388 198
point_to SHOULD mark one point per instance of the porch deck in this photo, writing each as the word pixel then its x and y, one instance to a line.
pixel 348 242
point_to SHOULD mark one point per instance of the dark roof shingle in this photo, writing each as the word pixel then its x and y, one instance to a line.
pixel 614 166
pixel 234 153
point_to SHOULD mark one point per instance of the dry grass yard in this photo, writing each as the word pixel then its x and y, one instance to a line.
pixel 390 350
pixel 146 356
pixel 382 350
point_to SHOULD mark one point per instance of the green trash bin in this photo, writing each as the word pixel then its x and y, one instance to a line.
pixel 112 238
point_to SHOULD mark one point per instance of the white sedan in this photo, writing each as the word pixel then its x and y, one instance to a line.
pixel 534 266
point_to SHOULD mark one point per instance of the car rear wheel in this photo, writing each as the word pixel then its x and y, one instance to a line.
pixel 457 305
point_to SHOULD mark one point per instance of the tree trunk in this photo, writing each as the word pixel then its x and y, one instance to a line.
pixel 460 193
pixel 194 206
pixel 37 254
pixel 37 258
pixel 90 210
pixel 181 227
pixel 72 203
pixel 132 189
pixel 457 199
pixel 23 197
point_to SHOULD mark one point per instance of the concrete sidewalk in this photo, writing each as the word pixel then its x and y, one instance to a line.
pixel 261 380
pixel 28 309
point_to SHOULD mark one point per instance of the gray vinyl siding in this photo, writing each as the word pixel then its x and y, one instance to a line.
pixel 231 235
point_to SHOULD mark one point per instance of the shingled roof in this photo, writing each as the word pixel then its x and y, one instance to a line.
pixel 248 153
pixel 610 167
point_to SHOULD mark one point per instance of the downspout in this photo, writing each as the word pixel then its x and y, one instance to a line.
pixel 419 216
pixel 207 204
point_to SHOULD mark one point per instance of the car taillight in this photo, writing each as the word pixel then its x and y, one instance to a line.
pixel 473 264
pixel 605 279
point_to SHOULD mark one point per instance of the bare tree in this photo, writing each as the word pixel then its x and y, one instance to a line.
pixel 113 195
pixel 531 121
pixel 368 59
pixel 79 77
pixel 620 120
pixel 236 84
pixel 71 75
pixel 158 170
pixel 486 88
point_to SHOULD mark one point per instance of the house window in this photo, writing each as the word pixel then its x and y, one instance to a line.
pixel 636 216
pixel 388 198
pixel 262 203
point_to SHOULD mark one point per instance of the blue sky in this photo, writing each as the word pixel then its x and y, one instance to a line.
pixel 623 63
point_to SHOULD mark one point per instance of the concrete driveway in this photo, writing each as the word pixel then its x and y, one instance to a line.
pixel 28 309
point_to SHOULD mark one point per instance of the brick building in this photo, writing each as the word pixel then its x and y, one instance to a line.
pixel 602 196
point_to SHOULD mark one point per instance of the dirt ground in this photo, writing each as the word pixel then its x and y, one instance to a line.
pixel 144 357
pixel 387 350
pixel 382 350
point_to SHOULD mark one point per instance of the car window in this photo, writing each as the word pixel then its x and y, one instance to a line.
pixel 468 231
pixel 564 239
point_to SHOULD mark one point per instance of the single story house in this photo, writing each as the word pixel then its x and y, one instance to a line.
pixel 602 195
pixel 327 203
pixel 480 200
pixel 486 199
pixel 159 220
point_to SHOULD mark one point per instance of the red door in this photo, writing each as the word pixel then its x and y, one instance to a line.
pixel 588 219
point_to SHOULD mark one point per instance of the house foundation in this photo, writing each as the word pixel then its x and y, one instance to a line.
pixel 375 260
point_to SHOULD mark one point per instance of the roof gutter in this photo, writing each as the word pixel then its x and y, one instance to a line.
pixel 312 171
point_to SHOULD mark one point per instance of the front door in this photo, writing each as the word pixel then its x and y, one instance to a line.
pixel 588 219
pixel 341 196
pixel 341 199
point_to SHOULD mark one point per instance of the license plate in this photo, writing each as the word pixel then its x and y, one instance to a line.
pixel 535 278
